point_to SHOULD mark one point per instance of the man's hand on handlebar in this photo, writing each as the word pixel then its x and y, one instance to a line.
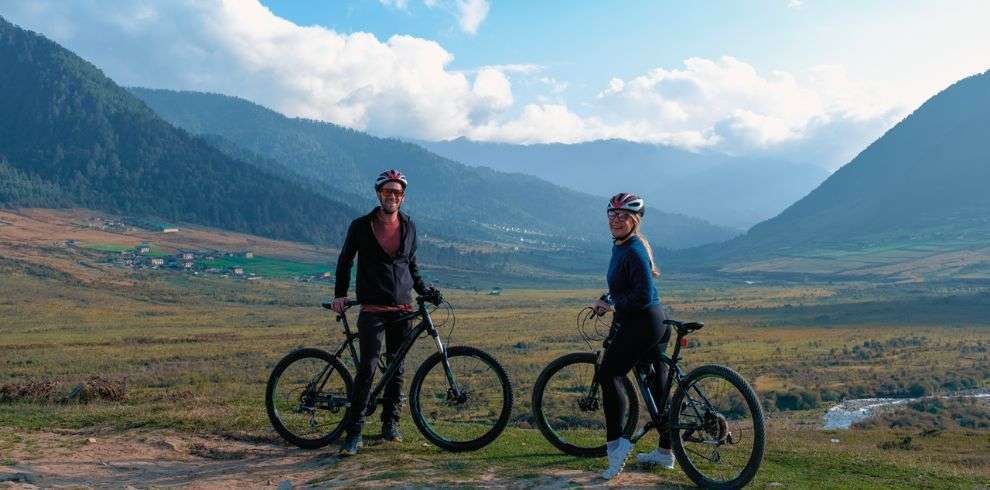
pixel 339 305
pixel 432 295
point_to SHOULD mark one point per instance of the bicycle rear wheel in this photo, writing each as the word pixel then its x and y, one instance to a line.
pixel 568 414
pixel 307 397
pixel 718 432
pixel 468 417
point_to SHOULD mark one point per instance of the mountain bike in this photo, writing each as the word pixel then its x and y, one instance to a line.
pixel 460 397
pixel 714 418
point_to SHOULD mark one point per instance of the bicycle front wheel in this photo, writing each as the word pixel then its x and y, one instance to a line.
pixel 467 410
pixel 307 398
pixel 717 428
pixel 569 413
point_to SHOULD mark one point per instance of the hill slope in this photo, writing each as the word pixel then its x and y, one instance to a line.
pixel 70 135
pixel 725 190
pixel 920 188
pixel 457 200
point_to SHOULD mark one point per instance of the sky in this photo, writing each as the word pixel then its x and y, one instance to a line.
pixel 800 80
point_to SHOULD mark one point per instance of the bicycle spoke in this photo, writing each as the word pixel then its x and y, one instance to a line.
pixel 719 443
pixel 470 411
pixel 300 405
pixel 570 412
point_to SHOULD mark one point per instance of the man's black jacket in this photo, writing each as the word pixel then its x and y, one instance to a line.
pixel 381 279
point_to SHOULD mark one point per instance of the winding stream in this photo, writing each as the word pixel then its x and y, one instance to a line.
pixel 849 412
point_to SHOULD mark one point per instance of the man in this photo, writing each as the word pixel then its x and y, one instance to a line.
pixel 385 243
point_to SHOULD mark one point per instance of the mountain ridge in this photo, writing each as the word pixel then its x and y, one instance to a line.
pixel 70 128
pixel 461 198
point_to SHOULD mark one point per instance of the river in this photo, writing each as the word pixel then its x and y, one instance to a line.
pixel 849 412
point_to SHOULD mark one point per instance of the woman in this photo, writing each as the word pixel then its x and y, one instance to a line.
pixel 641 334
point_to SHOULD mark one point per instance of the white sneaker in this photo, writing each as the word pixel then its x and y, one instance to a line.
pixel 617 454
pixel 657 457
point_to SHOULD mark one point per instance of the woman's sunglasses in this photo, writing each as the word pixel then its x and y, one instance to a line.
pixel 618 215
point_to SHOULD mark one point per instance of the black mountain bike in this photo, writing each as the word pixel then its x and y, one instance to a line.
pixel 715 420
pixel 460 397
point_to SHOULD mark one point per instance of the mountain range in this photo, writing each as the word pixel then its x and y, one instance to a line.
pixel 729 191
pixel 70 136
pixel 918 193
pixel 454 200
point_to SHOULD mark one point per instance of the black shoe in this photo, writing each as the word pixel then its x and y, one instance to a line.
pixel 390 431
pixel 351 445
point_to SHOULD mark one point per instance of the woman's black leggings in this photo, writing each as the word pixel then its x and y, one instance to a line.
pixel 642 336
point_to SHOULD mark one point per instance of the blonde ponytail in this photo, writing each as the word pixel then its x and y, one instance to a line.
pixel 646 243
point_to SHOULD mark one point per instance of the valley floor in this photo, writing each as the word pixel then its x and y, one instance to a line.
pixel 191 355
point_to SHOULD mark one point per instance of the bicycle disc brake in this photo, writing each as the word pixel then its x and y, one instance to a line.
pixel 455 398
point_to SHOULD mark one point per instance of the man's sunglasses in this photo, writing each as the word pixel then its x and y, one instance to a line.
pixel 392 192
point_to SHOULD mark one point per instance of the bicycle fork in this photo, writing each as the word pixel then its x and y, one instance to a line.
pixel 454 393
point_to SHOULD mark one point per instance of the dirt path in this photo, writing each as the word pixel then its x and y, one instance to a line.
pixel 163 459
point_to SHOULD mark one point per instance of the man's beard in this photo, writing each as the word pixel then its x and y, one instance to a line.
pixel 386 211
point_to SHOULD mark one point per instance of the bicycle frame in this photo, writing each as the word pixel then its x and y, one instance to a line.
pixel 425 325
pixel 642 375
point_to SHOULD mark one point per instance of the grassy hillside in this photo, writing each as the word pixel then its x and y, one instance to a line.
pixel 70 136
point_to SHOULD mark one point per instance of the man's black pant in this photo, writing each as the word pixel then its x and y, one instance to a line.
pixel 371 327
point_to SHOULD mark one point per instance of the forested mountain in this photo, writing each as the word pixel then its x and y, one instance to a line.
pixel 923 182
pixel 450 198
pixel 725 190
pixel 70 136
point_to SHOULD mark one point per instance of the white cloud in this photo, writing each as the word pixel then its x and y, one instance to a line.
pixel 400 86
pixel 470 13
pixel 403 87
pixel 795 4
pixel 820 116
pixel 520 68
pixel 556 86
pixel 399 4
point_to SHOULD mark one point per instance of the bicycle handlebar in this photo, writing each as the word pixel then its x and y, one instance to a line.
pixel 346 305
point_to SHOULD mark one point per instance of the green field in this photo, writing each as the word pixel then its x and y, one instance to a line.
pixel 196 351
pixel 267 266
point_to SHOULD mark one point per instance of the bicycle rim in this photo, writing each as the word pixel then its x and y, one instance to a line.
pixel 569 414
pixel 309 400
pixel 720 429
pixel 470 416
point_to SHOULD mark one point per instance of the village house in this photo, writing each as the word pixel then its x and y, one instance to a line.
pixel 143 249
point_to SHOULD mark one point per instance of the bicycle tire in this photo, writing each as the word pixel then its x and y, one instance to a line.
pixel 270 402
pixel 424 425
pixel 759 427
pixel 543 423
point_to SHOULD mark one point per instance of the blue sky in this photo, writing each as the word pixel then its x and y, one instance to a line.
pixel 807 80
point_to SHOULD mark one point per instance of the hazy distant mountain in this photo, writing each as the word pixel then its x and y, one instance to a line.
pixel 722 189
pixel 457 200
pixel 70 136
pixel 921 186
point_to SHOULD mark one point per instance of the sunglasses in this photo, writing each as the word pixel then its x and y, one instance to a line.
pixel 618 215
pixel 391 193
